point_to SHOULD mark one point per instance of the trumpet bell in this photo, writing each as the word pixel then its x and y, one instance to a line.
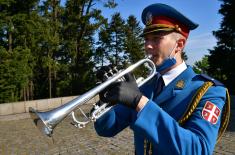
pixel 40 122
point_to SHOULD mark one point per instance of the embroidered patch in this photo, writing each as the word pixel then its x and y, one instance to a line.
pixel 180 84
pixel 211 112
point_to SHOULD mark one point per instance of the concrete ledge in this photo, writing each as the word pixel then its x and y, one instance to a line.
pixel 41 105
pixel 67 99
pixel 6 109
pixel 53 103
pixel 19 110
pixel 32 104
pixel 18 107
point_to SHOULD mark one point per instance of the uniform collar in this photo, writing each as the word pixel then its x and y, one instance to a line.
pixel 179 83
pixel 169 76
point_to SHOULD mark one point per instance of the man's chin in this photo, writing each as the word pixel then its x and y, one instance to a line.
pixel 155 60
pixel 157 63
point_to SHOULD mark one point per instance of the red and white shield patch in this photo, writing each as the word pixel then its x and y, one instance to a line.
pixel 211 112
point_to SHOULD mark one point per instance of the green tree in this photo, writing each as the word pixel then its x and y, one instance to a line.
pixel 80 22
pixel 117 36
pixel 221 58
pixel 51 12
pixel 184 56
pixel 134 44
pixel 15 73
pixel 15 29
pixel 49 50
pixel 101 54
pixel 201 67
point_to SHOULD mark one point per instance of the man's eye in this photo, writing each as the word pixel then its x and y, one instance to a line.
pixel 157 37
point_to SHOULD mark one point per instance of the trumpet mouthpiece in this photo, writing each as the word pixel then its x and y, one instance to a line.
pixel 148 56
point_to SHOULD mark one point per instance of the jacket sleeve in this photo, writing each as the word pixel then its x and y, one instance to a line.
pixel 197 136
pixel 114 121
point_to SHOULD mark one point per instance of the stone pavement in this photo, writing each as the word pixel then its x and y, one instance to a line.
pixel 226 146
pixel 20 137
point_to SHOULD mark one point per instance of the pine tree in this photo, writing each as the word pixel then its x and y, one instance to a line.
pixel 51 12
pixel 16 55
pixel 134 44
pixel 221 58
pixel 117 36
pixel 48 50
pixel 80 22
pixel 15 73
pixel 101 55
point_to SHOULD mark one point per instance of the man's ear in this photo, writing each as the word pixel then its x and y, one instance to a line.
pixel 180 44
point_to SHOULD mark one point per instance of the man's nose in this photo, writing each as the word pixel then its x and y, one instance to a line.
pixel 148 45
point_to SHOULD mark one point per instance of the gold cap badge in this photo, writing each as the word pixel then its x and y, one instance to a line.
pixel 149 18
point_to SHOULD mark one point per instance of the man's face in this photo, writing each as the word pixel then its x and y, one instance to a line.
pixel 159 46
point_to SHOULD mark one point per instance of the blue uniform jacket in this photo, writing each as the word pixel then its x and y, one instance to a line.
pixel 158 120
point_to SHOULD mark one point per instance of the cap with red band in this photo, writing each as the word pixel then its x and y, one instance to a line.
pixel 162 17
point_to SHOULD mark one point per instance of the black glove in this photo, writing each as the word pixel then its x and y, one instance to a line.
pixel 126 93
pixel 105 72
pixel 102 75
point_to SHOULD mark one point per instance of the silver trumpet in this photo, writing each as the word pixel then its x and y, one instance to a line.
pixel 47 121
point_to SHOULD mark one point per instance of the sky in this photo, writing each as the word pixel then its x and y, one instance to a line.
pixel 203 12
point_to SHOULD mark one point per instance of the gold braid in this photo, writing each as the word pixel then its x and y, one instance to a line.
pixel 195 101
pixel 225 117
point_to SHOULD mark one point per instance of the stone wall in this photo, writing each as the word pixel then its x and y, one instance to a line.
pixel 41 105
pixel 12 111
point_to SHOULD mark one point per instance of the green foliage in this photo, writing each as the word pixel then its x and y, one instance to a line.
pixel 117 35
pixel 110 4
pixel 134 44
pixel 201 67
pixel 80 22
pixel 15 73
pixel 48 50
pixel 222 56
pixel 184 56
